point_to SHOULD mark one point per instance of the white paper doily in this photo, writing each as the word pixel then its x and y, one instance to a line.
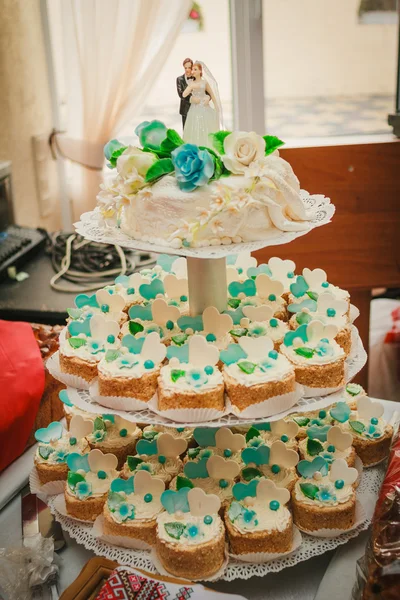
pixel 319 209
pixel 311 546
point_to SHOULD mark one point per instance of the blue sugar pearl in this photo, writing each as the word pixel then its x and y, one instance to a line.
pixel 186 243
pixel 101 474
pixel 322 414
pixel 170 325
pixel 325 284
pixel 148 498
pixel 290 275
pixel 206 454
pixel 273 322
pixel 110 292
pixel 161 459
pixel 210 337
pixel 111 339
pixel 247 516
pixel 240 270
pixel 272 297
pixel 274 505
pixel 180 429
pixel 193 531
pixel 105 308
pixel 208 520
pixel 339 483
pixel 95 345
pixel 223 483
pixel 123 432
pixel 273 354
pixel 130 291
pixel 275 469
pixel 195 376
pixel 124 361
pixel 331 448
pixel 144 467
pixel 183 298
pixel 72 441
pixel 209 370
pixel 148 364
pixel 284 438
pixel 227 452
pixel 331 312
pixel 374 421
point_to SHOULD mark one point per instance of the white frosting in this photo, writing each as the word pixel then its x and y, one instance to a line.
pixel 222 342
pixel 277 305
pixel 120 289
pixel 74 410
pixel 149 326
pixel 98 486
pixel 117 369
pixel 186 434
pixel 275 333
pixel 336 496
pixel 339 321
pixel 316 359
pixel 265 519
pixel 282 479
pixel 211 486
pixel 380 428
pixel 337 454
pixel 182 384
pixel 213 450
pixel 165 471
pixel 269 438
pixel 143 511
pixel 206 533
pixel 61 445
pixel 280 368
pixel 83 352
pixel 337 292
pixel 112 437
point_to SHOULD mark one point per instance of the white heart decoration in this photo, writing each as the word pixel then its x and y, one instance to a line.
pixel 339 438
pixel 153 349
pixel 136 280
pixel 341 470
pixel 101 327
pixel 327 300
pixel 316 331
pixel 224 438
pixel 169 446
pixel 266 286
pixel 367 409
pixel 162 312
pixel 267 491
pixel 121 423
pixel 258 313
pixel 115 302
pixel 102 462
pixel 175 288
pixel 202 504
pixel 232 275
pixel 315 278
pixel 220 468
pixel 280 268
pixel 256 348
pixel 282 427
pixel 201 353
pixel 80 427
pixel 144 483
pixel 282 456
pixel 179 267
pixel 214 322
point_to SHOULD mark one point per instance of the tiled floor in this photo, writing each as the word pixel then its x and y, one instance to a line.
pixel 307 117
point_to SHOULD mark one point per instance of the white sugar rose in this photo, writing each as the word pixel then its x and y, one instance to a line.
pixel 132 167
pixel 241 149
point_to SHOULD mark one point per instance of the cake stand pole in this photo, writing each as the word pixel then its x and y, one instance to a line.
pixel 207 284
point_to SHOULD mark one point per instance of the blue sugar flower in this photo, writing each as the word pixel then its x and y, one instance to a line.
pixel 99 435
pixel 257 330
pixel 193 167
pixel 328 457
pixel 324 349
pixel 196 377
pixel 325 494
pixel 83 490
pixel 95 346
pixel 114 501
pixel 126 511
pixel 61 456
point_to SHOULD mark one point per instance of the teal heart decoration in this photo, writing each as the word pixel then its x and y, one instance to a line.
pixel 196 470
pixel 149 291
pixel 63 395
pixel 341 412
pixel 262 426
pixel 84 300
pixel 252 272
pixel 175 501
pixel 77 327
pixel 296 308
pixel 299 287
pixel 205 436
pixel 78 462
pixel 307 468
pixel 122 280
pixel 140 312
pixel 231 259
pixel 195 323
pixel 146 447
pixel 122 485
pixel 165 261
pixel 258 456
pixel 53 431
pixel 248 288
pixel 232 354
pixel 243 490
pixel 133 344
pixel 318 432
pixel 237 315
pixel 300 332
pixel 179 352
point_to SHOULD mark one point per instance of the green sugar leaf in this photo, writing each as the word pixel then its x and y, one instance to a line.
pixel 45 451
pixel 301 421
pixel 150 435
pixel 357 426
pixel 252 433
pixel 133 462
pixel 115 155
pixel 74 478
pixel 99 423
pixel 306 352
pixel 76 342
pixel 183 482
pixel 314 447
pixel 249 473
pixel 176 374
pixel 114 500
pixel 159 169
pixel 217 140
pixel 246 366
pixel 302 318
pixel 234 302
pixel 353 389
pixel 171 142
pixel 180 339
pixel 111 355
pixel 272 143
pixel 238 332
pixel 309 489
pixel 175 529
pixel 193 452
pixel 135 327
pixel 312 295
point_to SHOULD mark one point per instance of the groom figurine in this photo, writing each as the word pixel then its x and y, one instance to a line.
pixel 181 84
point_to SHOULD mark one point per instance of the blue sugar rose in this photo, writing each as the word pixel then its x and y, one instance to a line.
pixel 193 167
pixel 151 134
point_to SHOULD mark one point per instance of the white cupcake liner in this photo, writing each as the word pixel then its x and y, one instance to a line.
pixel 187 415
pixel 60 506
pixel 44 490
pixel 268 408
pixel 62 335
pixel 263 557
pixel 116 402
pixel 117 540
pixel 359 466
pixel 162 571
pixel 53 367
pixel 354 313
pixel 361 518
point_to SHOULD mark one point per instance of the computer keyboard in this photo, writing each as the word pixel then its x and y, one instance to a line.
pixel 17 244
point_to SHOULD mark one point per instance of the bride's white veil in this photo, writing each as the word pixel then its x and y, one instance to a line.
pixel 212 82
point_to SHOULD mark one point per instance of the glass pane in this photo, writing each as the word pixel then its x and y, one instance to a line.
pixel 329 67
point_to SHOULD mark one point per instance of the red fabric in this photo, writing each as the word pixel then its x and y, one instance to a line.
pixel 22 382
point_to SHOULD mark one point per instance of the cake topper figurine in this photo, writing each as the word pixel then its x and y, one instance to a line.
pixel 196 88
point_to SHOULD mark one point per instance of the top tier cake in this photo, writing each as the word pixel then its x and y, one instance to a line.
pixel 175 194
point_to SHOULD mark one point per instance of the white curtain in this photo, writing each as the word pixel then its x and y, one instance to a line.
pixel 113 52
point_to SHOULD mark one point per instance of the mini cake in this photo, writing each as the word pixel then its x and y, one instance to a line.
pixel 132 507
pixel 212 325
pixel 322 499
pixel 190 537
pixel 89 340
pixel 257 520
pixel 156 316
pixel 255 372
pixel 352 392
pixel 285 431
pixel 55 445
pixel 320 419
pixel 89 479
pixel 152 431
pixel 261 291
pixel 259 321
pixel 214 475
pixel 103 301
pixel 160 457
pixel 311 284
pixel 115 435
pixel 133 370
pixel 191 379
pixel 331 445
pixel 317 359
pixel 283 271
pixel 274 462
pixel 371 434
pixel 70 410
pixel 220 442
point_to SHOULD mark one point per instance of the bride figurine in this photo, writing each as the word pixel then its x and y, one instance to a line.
pixel 202 119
